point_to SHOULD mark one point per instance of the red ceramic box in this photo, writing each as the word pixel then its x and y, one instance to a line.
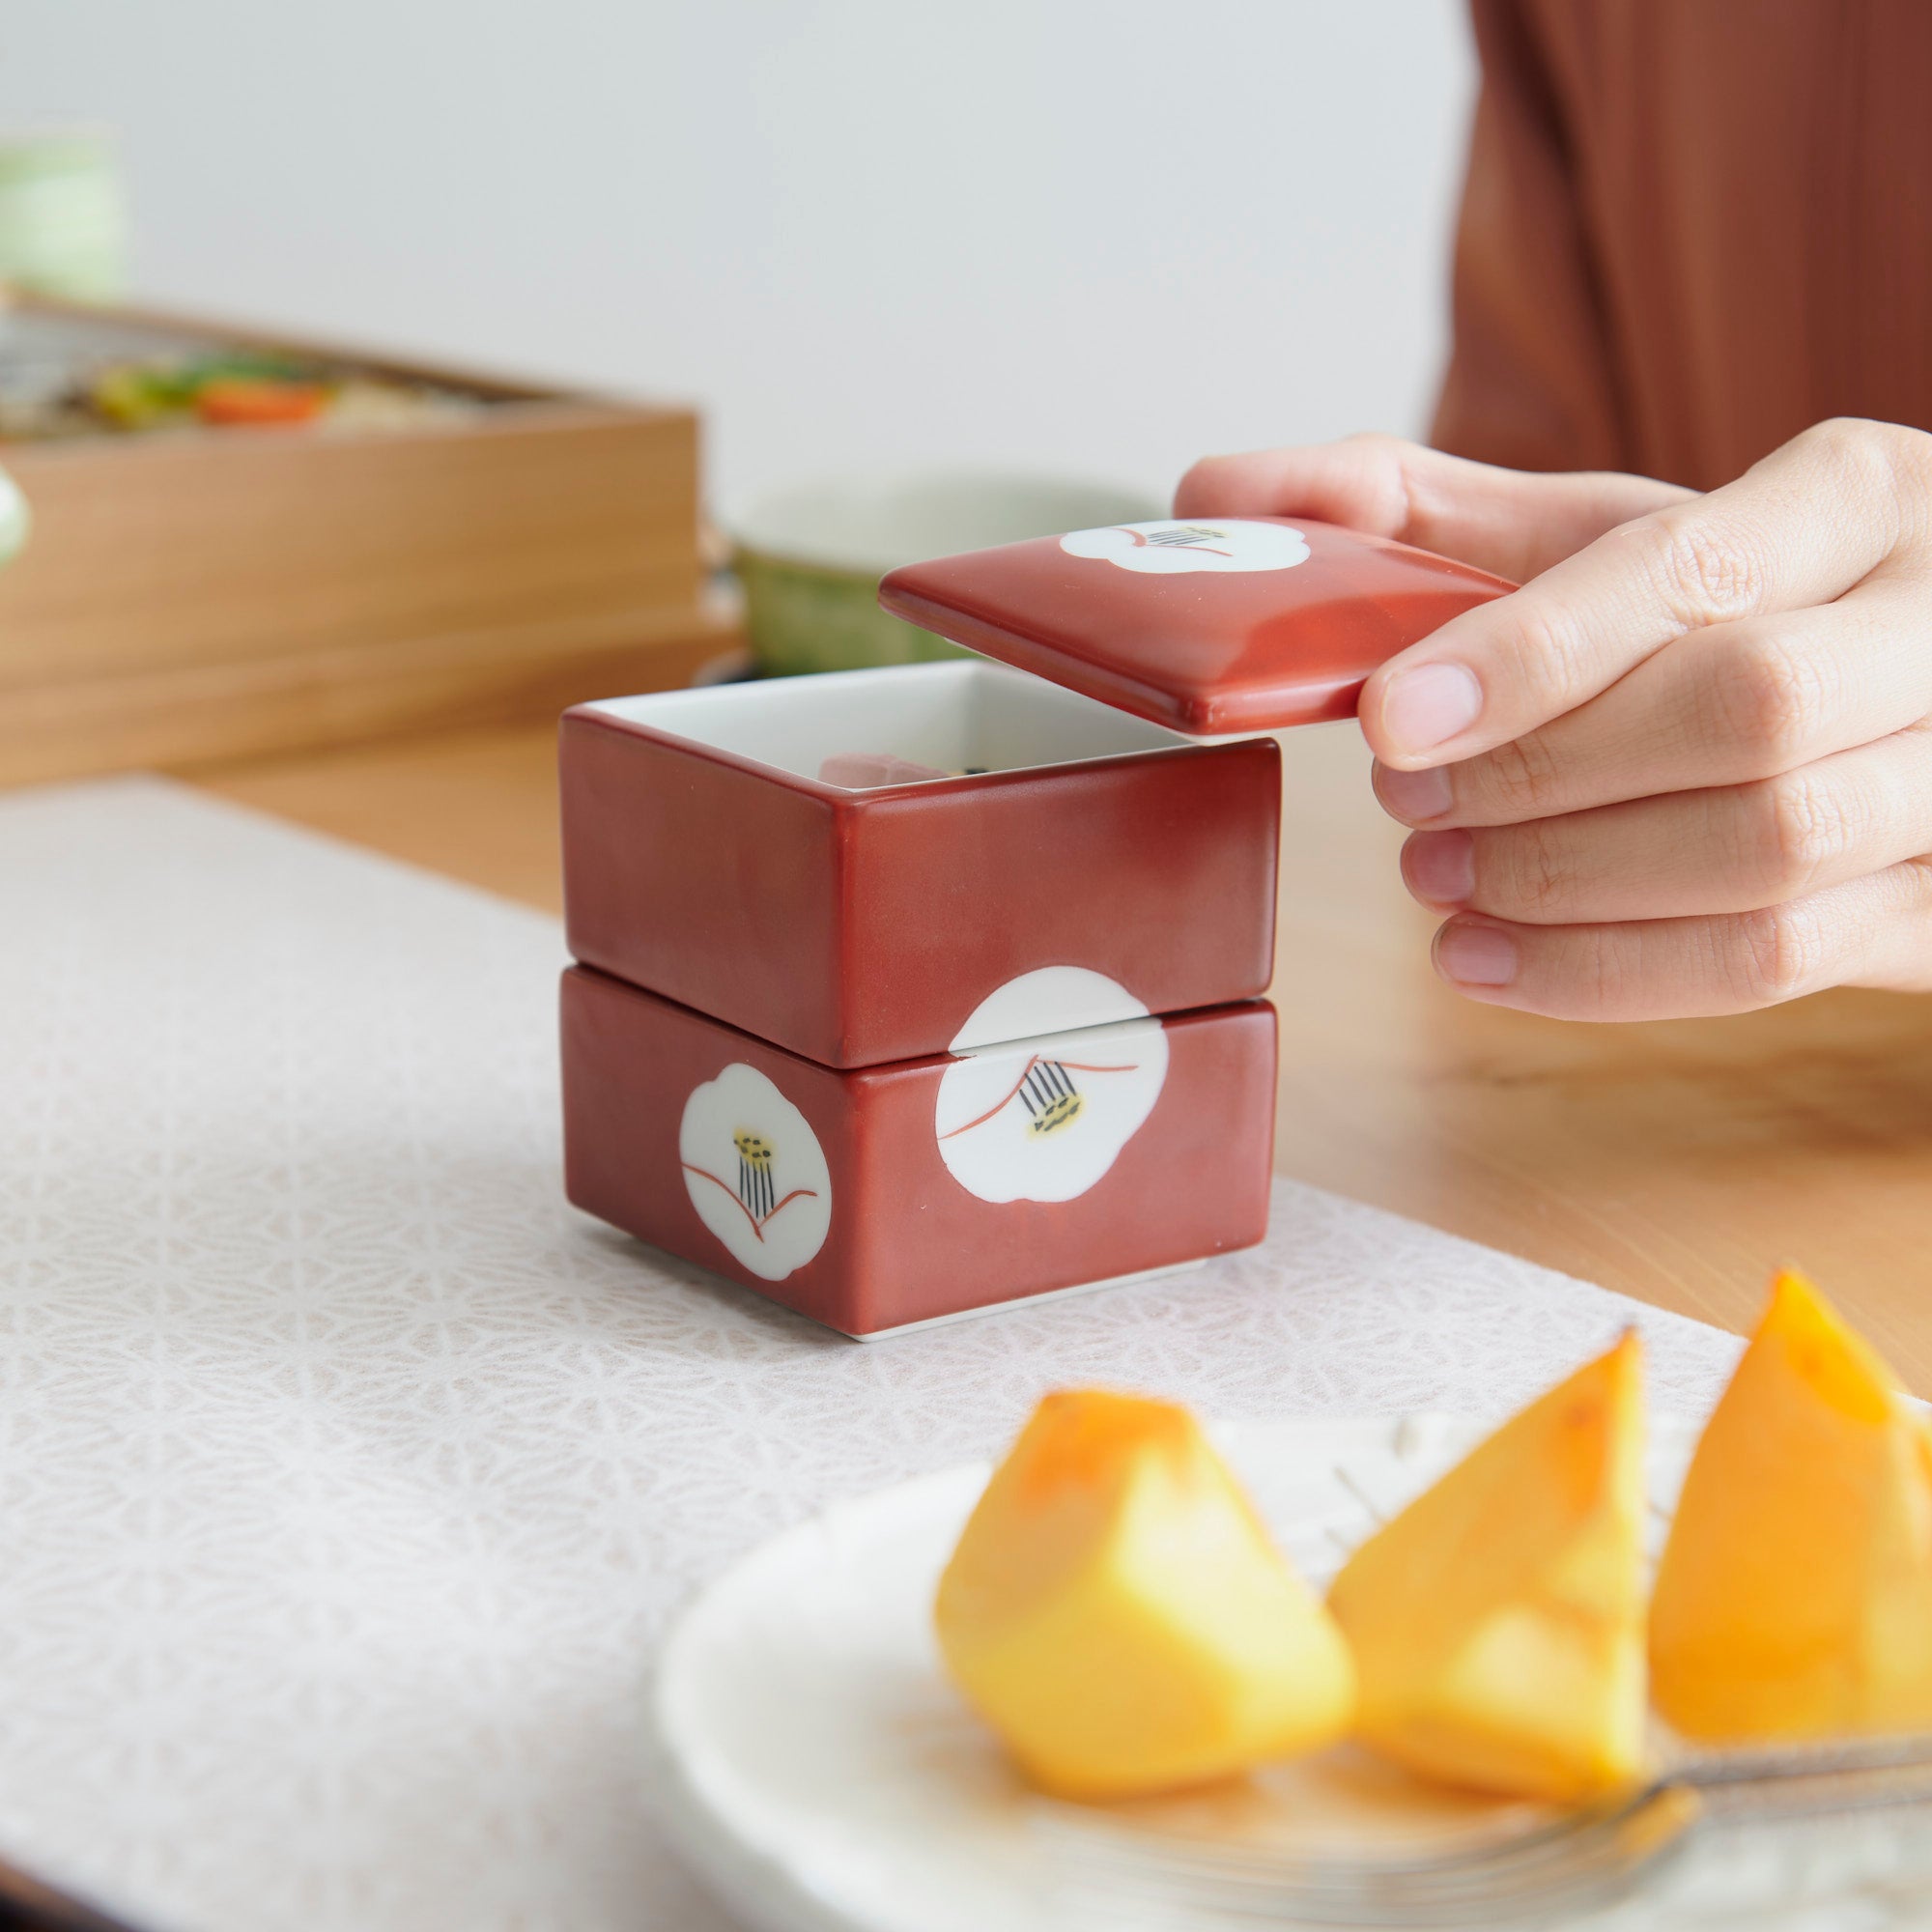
pixel 908 993
pixel 875 1197
pixel 1077 865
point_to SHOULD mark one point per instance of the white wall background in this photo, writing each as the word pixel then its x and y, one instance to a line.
pixel 1094 236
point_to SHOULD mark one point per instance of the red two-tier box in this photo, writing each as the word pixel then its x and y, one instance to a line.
pixel 906 993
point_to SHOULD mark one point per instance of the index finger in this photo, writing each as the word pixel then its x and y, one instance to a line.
pixel 1512 523
pixel 1799 528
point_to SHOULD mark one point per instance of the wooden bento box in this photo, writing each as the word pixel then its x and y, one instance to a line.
pixel 901 994
pixel 203 593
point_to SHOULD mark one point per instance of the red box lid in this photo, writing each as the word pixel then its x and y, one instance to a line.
pixel 1222 624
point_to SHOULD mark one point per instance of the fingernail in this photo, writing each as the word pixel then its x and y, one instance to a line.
pixel 1423 707
pixel 1440 868
pixel 1415 796
pixel 1475 955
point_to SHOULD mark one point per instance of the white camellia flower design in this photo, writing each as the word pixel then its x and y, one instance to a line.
pixel 1043 1119
pixel 756 1172
pixel 1173 548
pixel 1052 999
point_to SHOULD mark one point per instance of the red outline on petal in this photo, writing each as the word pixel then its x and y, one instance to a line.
pixel 1078 1067
pixel 758 1227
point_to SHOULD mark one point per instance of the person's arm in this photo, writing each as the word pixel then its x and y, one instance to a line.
pixel 1531 377
pixel 1688 767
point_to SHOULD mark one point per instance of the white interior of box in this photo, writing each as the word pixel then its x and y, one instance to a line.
pixel 951 717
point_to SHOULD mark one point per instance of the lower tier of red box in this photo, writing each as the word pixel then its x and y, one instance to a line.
pixel 877 1197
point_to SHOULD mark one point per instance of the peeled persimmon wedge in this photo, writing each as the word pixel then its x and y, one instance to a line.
pixel 1116 1611
pixel 1497 1621
pixel 1794 1600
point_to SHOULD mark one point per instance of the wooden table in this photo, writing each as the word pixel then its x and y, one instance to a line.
pixel 1676 1162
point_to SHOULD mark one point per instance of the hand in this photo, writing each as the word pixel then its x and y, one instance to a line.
pixel 1686 768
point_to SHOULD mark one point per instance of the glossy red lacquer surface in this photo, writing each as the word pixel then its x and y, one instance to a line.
pixel 857 927
pixel 1204 651
pixel 905 1241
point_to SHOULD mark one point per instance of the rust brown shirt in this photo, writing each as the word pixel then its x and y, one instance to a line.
pixel 1691 228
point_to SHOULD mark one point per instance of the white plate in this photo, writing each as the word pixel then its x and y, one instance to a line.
pixel 817 1770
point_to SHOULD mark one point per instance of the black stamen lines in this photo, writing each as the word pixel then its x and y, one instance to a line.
pixel 754 1173
pixel 1050 1096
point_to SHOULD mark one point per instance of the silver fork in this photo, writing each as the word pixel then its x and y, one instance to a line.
pixel 1579 1864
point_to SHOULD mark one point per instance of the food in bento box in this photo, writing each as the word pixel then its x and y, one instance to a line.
pixel 229 387
pixel 1117 1613
pixel 219 388
pixel 1795 1596
pixel 1497 1622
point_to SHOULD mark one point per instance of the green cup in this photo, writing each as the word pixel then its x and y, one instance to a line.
pixel 810 558
pixel 62 227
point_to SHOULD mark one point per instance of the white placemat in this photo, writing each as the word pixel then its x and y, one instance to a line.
pixel 347 1474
